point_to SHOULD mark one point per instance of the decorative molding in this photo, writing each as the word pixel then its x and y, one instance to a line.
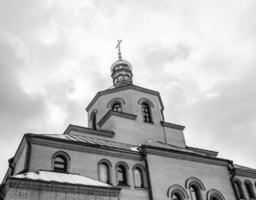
pixel 171 125
pixel 251 173
pixel 142 100
pixel 173 153
pixel 179 189
pixel 194 181
pixel 118 114
pixel 61 187
pixel 214 193
pixel 122 88
pixel 82 147
pixel 114 100
pixel 204 151
pixel 81 129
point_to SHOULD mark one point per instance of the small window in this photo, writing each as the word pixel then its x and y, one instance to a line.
pixel 138 177
pixel 104 172
pixel 122 175
pixel 60 164
pixel 117 107
pixel 146 113
pixel 93 119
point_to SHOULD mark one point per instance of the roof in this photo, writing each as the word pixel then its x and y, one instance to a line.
pixel 49 176
pixel 121 88
pixel 244 167
pixel 90 141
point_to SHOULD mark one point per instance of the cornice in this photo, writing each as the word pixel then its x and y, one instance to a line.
pixel 81 129
pixel 245 172
pixel 171 125
pixel 204 151
pixel 82 147
pixel 122 88
pixel 172 153
pixel 118 114
pixel 61 187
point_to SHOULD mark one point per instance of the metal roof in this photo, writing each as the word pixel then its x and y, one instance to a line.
pixel 93 141
pixel 61 178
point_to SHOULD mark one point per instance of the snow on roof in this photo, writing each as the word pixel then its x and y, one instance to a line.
pixel 61 178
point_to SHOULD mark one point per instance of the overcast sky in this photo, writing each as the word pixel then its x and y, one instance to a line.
pixel 200 55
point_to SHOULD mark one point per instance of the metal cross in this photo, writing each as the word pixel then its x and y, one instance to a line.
pixel 118 46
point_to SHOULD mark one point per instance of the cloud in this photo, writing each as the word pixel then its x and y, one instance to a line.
pixel 16 106
pixel 55 55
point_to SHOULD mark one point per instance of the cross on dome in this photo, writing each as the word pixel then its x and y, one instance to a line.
pixel 121 70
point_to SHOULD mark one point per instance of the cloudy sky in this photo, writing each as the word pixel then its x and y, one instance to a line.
pixel 200 55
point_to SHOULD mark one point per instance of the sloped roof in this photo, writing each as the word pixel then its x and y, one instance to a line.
pixel 92 141
pixel 49 176
pixel 244 167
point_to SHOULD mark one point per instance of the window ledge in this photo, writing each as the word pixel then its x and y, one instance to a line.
pixel 140 188
pixel 124 186
pixel 149 122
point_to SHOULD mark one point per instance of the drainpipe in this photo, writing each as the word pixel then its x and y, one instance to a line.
pixel 231 169
pixel 144 154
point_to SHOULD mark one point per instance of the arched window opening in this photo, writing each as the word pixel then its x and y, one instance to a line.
pixel 239 189
pixel 122 176
pixel 146 113
pixel 214 194
pixel 138 177
pixel 94 119
pixel 117 107
pixel 195 192
pixel 60 164
pixel 176 196
pixel 104 172
pixel 176 192
pixel 249 189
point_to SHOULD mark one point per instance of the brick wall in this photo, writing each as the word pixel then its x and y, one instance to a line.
pixel 166 171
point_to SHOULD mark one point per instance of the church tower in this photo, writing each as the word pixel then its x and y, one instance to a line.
pixel 134 114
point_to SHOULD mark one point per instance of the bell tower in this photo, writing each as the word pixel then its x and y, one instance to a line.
pixel 121 70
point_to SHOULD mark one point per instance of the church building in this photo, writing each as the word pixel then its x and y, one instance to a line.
pixel 128 151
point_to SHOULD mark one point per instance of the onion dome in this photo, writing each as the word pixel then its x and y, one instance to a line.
pixel 121 70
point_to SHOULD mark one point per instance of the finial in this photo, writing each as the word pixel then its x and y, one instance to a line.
pixel 118 46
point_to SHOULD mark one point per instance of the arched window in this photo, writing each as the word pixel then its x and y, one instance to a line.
pixel 239 189
pixel 146 113
pixel 214 194
pixel 195 192
pixel 104 171
pixel 60 162
pixel 117 107
pixel 94 119
pixel 122 174
pixel 176 192
pixel 195 186
pixel 139 177
pixel 249 188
